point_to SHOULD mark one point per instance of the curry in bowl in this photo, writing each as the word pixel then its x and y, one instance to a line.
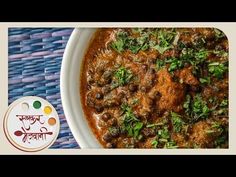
pixel 157 87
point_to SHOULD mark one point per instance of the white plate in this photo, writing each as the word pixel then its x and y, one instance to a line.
pixel 70 73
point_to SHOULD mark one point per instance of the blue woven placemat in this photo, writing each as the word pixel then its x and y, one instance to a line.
pixel 34 64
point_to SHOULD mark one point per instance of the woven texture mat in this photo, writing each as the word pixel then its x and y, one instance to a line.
pixel 34 64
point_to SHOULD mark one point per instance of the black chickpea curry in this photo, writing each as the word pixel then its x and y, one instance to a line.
pixel 157 87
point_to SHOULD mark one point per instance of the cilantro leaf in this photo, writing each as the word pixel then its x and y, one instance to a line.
pixel 166 39
pixel 205 80
pixel 187 105
pixel 224 103
pixel 174 64
pixel 123 76
pixel 161 49
pixel 217 69
pixel 130 123
pixel 201 55
pixel 120 42
pixel 177 121
pixel 154 143
pixel 199 108
pixel 159 64
pixel 218 33
pixel 196 108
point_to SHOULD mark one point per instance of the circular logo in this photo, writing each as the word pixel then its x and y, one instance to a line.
pixel 31 124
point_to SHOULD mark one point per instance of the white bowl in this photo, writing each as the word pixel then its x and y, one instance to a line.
pixel 70 76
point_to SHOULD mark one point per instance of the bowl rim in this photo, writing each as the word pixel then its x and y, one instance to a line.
pixel 81 138
pixel 64 82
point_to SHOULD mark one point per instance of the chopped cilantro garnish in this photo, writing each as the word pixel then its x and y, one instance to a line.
pixel 159 64
pixel 224 103
pixel 123 76
pixel 164 134
pixel 135 101
pixel 200 109
pixel 216 127
pixel 187 54
pixel 124 41
pixel 220 53
pixel 161 49
pixel 205 80
pixel 219 34
pixel 177 122
pixel 217 69
pixel 153 125
pixel 136 129
pixel 120 42
pixel 174 64
pixel 171 145
pixel 130 123
pixel 154 143
pixel 187 105
pixel 196 108
pixel 201 55
pixel 136 44
pixel 165 40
